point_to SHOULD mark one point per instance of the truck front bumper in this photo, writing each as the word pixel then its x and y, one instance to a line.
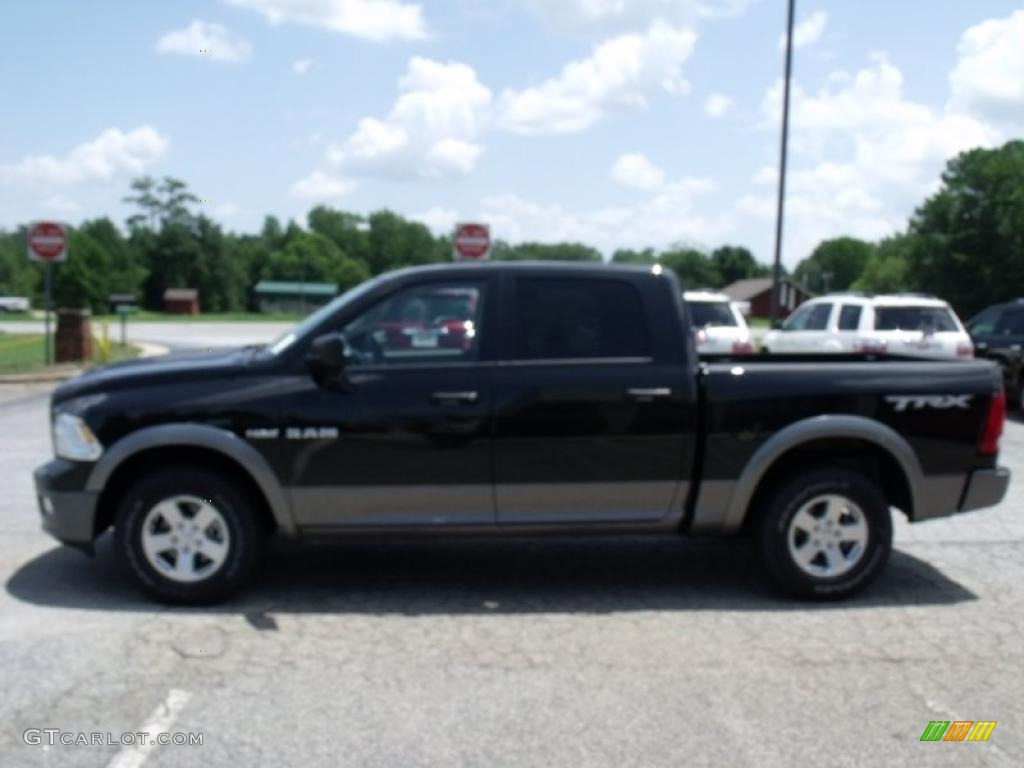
pixel 69 513
pixel 985 488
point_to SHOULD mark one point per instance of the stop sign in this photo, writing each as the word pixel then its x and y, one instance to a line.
pixel 47 241
pixel 472 241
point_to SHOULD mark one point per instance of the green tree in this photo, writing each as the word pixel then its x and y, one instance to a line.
pixel 693 268
pixel 888 266
pixel 733 262
pixel 18 276
pixel 629 256
pixel 81 282
pixel 395 242
pixel 161 202
pixel 971 232
pixel 126 272
pixel 834 264
pixel 311 257
pixel 348 231
pixel 545 252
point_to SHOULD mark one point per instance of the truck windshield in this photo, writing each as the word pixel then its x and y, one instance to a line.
pixel 285 340
pixel 705 313
pixel 914 319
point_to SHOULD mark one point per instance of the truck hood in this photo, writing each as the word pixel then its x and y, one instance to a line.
pixel 177 366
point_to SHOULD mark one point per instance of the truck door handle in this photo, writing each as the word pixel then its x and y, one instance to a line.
pixel 453 398
pixel 647 394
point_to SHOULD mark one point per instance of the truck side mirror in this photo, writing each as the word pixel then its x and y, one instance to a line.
pixel 776 324
pixel 327 359
pixel 330 351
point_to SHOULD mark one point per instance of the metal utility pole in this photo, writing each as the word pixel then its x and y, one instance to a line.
pixel 777 265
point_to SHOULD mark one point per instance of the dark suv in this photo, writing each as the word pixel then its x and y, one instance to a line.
pixel 998 334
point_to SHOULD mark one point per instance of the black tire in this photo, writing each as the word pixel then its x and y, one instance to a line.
pixel 784 504
pixel 237 510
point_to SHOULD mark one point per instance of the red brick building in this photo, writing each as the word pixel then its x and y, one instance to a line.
pixel 758 291
pixel 181 301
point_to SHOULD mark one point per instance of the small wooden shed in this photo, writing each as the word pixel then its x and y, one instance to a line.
pixel 181 301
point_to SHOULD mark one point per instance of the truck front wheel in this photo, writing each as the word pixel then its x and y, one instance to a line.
pixel 825 534
pixel 188 536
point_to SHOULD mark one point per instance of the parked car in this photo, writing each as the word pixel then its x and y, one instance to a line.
pixel 14 304
pixel 579 406
pixel 998 334
pixel 898 324
pixel 719 324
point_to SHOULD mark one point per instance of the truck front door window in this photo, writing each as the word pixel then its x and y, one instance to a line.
pixel 433 323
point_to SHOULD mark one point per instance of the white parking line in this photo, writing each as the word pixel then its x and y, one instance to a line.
pixel 159 721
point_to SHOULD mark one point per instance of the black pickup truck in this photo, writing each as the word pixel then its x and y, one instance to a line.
pixel 513 398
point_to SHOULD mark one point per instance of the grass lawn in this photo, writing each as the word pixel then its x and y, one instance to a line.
pixel 759 322
pixel 145 316
pixel 23 353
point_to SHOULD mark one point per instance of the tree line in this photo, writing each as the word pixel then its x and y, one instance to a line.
pixel 965 243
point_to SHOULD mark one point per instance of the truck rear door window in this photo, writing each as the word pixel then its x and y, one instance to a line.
pixel 560 318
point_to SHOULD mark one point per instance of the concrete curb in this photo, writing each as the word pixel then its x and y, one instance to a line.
pixel 61 373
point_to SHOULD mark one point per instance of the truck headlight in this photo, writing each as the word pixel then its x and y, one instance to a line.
pixel 72 439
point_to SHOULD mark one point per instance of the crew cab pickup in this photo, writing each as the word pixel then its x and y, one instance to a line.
pixel 513 399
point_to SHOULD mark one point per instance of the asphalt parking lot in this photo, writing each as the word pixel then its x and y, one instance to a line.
pixel 547 653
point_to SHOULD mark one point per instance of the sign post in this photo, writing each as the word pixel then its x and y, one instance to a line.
pixel 48 243
pixel 471 242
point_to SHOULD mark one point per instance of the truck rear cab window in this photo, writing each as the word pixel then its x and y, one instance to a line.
pixel 565 318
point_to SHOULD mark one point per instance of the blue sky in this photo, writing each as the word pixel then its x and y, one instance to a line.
pixel 613 122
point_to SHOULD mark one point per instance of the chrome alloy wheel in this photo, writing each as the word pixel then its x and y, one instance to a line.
pixel 185 538
pixel 827 536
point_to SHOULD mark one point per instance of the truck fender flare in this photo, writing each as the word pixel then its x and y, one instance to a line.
pixel 200 436
pixel 822 428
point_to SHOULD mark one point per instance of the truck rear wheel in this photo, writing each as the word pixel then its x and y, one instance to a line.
pixel 188 536
pixel 825 534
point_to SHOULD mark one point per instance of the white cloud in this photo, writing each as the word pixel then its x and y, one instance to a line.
pixel 451 157
pixel 988 79
pixel 665 218
pixel 717 105
pixel 621 15
pixel 110 154
pixel 431 132
pixel 319 186
pixel 205 40
pixel 622 73
pixel 377 20
pixel 301 66
pixel 636 171
pixel 807 32
pixel 863 156
pixel 438 219
pixel 62 205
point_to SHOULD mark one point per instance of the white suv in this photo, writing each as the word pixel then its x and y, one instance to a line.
pixel 720 327
pixel 899 324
